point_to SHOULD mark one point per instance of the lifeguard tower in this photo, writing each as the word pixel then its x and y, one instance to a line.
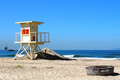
pixel 30 38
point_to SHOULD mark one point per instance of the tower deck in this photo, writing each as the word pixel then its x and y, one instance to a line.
pixel 40 38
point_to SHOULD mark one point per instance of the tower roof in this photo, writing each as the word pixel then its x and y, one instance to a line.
pixel 27 22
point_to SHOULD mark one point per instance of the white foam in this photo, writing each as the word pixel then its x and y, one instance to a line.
pixel 20 55
pixel 69 56
pixel 97 58
pixel 72 56
pixel 117 58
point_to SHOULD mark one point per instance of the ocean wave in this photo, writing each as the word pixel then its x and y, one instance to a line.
pixel 110 56
pixel 69 56
pixel 7 55
pixel 72 56
pixel 115 54
pixel 90 57
pixel 81 56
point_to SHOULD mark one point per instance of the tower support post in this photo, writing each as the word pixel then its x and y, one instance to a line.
pixel 29 50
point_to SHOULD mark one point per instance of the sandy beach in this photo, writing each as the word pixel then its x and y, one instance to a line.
pixel 53 69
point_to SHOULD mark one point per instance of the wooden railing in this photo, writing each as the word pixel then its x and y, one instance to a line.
pixel 44 36
pixel 38 37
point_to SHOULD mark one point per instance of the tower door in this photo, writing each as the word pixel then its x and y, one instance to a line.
pixel 25 35
pixel 26 38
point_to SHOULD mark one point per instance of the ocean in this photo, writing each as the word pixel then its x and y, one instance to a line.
pixel 91 54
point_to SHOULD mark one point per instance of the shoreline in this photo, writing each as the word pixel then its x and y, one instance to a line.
pixel 98 58
pixel 83 58
pixel 53 69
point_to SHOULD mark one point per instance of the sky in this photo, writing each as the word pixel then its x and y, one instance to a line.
pixel 72 24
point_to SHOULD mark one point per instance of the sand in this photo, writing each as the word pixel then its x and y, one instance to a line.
pixel 53 69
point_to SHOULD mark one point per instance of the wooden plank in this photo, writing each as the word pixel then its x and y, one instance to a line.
pixel 18 52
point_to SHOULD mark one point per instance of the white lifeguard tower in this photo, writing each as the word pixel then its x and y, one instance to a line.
pixel 30 38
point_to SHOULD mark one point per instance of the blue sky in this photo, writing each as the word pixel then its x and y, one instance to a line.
pixel 73 24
